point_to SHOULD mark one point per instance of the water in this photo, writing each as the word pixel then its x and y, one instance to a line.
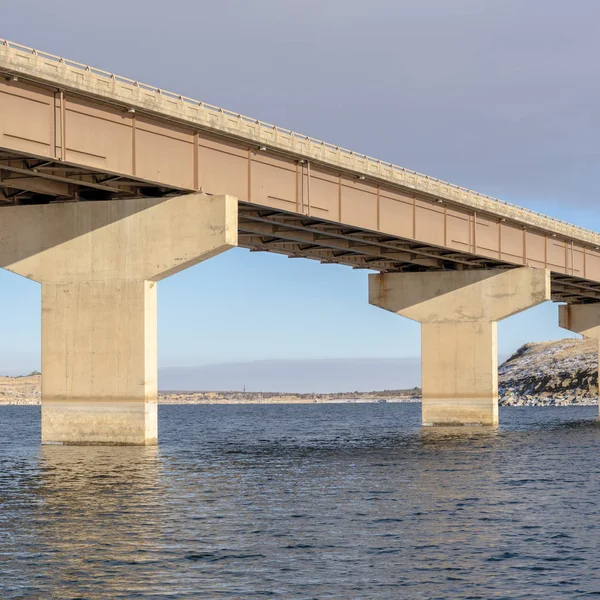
pixel 305 501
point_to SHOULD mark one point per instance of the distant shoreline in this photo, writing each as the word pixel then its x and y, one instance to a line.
pixel 25 391
pixel 254 398
pixel 275 398
pixel 560 373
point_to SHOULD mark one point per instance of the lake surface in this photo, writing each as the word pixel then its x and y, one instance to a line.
pixel 305 501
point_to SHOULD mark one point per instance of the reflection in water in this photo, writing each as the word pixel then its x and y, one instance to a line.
pixel 94 508
pixel 344 501
pixel 455 512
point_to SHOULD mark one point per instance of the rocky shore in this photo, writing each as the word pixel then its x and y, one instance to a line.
pixel 20 390
pixel 557 373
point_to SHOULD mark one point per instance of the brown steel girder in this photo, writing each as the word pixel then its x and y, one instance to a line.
pixel 26 179
pixel 298 236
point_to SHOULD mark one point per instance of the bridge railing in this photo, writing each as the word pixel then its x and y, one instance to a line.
pixel 418 180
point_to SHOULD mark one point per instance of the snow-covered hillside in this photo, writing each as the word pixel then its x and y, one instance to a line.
pixel 551 373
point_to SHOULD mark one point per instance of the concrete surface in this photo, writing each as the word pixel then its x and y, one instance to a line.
pixel 98 263
pixel 459 311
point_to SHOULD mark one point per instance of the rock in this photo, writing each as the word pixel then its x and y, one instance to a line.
pixel 550 373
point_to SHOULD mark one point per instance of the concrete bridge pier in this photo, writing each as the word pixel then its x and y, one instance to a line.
pixel 581 318
pixel 459 311
pixel 98 263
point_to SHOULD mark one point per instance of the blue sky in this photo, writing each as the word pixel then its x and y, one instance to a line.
pixel 498 96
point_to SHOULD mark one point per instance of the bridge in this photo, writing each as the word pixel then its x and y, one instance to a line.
pixel 108 185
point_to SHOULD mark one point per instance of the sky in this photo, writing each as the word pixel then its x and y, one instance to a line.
pixel 499 96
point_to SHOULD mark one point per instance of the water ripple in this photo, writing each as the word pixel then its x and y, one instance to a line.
pixel 301 502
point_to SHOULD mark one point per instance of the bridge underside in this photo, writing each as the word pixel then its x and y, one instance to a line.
pixel 297 236
pixel 27 179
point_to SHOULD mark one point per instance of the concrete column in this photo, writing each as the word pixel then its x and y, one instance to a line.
pixel 99 366
pixel 98 263
pixel 459 311
pixel 583 319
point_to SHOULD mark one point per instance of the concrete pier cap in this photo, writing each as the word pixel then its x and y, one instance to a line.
pixel 580 318
pixel 98 263
pixel 458 312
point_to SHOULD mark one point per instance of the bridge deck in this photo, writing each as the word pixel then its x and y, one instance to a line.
pixel 70 132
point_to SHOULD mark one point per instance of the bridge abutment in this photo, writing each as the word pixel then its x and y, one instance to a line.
pixel 98 263
pixel 458 312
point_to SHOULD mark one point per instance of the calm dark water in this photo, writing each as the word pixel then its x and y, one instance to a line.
pixel 311 502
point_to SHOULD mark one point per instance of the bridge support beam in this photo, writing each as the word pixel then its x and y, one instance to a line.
pixel 98 263
pixel 581 318
pixel 459 311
